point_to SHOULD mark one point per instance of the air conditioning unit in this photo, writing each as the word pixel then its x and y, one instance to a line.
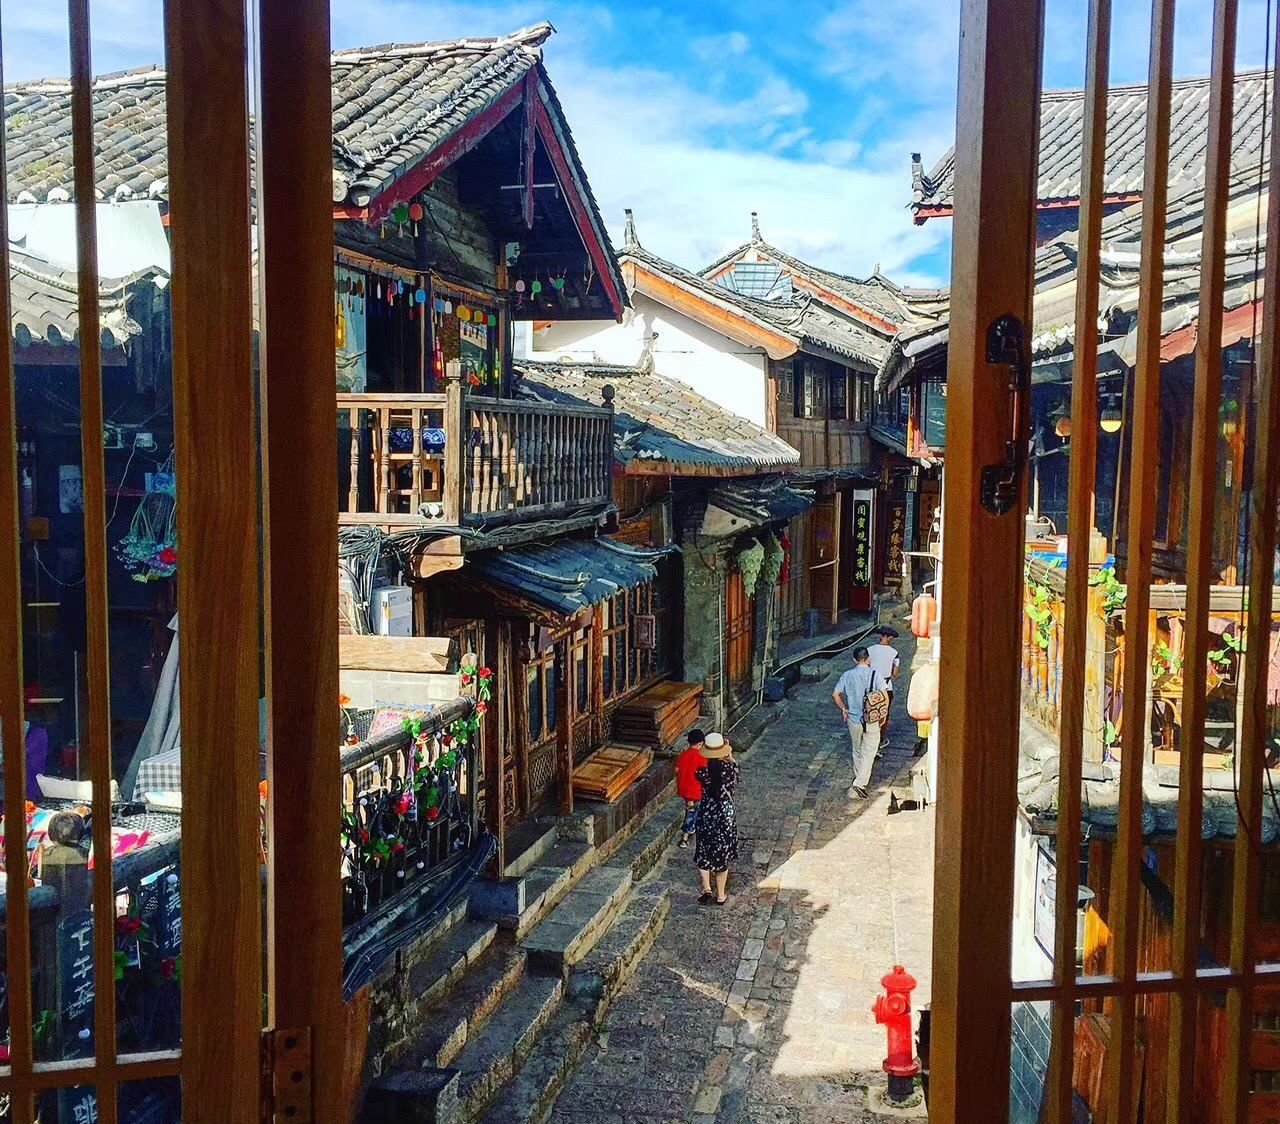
pixel 393 610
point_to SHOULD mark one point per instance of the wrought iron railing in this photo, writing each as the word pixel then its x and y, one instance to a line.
pixel 411 834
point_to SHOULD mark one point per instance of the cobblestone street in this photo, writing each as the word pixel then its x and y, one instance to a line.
pixel 760 1011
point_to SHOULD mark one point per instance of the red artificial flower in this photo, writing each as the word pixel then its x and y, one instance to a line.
pixel 398 849
pixel 168 556
pixel 404 804
pixel 122 926
pixel 364 835
pixel 135 926
pixel 446 740
pixel 466 678
pixel 352 739
pixel 485 673
pixel 433 813
pixel 168 968
pixel 481 707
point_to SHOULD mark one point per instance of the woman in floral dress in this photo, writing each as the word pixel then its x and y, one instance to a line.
pixel 717 844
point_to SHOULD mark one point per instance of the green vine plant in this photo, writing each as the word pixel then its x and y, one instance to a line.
pixel 1231 646
pixel 1114 592
pixel 1040 610
pixel 1163 660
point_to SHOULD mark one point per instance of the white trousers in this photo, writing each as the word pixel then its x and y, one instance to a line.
pixel 865 743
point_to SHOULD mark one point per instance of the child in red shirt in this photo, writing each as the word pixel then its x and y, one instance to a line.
pixel 688 785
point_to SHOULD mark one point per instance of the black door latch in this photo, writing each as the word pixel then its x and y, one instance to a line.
pixel 1001 481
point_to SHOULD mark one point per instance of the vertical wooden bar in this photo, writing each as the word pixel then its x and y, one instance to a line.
pixel 218 583
pixel 1144 468
pixel 1254 725
pixel 295 217
pixel 353 490
pixel 456 432
pixel 993 251
pixel 564 730
pixel 93 468
pixel 1082 475
pixel 12 708
pixel 1184 1005
pixel 497 645
pixel 415 471
pixel 386 468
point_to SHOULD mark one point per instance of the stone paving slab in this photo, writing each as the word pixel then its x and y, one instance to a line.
pixel 759 1011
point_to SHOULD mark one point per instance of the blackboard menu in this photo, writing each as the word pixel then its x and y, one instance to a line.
pixel 75 980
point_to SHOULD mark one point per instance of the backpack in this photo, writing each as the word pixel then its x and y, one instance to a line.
pixel 875 709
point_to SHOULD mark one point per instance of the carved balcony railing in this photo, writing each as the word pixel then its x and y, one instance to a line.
pixel 459 459
pixel 1043 660
pixel 412 839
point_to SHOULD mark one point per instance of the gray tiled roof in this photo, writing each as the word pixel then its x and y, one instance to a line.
pixel 1053 330
pixel 1061 138
pixel 802 317
pixel 392 105
pixel 659 418
pixel 45 305
pixel 1100 794
pixel 877 294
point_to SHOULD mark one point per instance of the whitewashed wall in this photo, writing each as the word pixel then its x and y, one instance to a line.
pixel 728 373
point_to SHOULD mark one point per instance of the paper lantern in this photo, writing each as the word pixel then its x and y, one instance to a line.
pixel 493 320
pixel 416 212
pixel 400 213
pixel 535 288
pixel 464 313
pixel 519 286
pixel 420 296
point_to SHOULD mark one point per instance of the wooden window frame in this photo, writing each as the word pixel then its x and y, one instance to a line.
pixel 994 235
pixel 539 666
pixel 838 402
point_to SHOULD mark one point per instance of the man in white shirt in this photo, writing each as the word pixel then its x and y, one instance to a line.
pixel 850 696
pixel 886 664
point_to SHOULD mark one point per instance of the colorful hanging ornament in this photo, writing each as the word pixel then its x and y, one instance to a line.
pixel 519 286
pixel 493 320
pixel 558 282
pixel 416 212
pixel 535 288
pixel 420 296
pixel 400 213
pixel 464 313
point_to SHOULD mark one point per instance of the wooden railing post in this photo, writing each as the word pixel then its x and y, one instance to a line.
pixel 606 442
pixel 455 441
pixel 1095 714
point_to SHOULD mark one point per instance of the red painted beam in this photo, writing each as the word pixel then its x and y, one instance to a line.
pixel 577 205
pixel 422 174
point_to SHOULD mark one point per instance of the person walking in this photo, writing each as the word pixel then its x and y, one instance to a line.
pixel 717 841
pixel 688 785
pixel 855 689
pixel 886 663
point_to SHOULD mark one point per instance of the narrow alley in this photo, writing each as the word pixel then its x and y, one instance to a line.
pixel 760 1011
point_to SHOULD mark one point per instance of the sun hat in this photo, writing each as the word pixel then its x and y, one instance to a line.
pixel 715 747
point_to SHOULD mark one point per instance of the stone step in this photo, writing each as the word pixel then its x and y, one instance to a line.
pixel 601 974
pixel 528 843
pixel 448 961
pixel 548 882
pixel 571 930
pixel 448 1026
pixel 530 1096
pixel 645 849
pixel 494 1057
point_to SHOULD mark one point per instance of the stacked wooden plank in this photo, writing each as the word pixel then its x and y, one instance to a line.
pixel 609 772
pixel 658 716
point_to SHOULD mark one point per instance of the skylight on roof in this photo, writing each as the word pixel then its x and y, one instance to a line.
pixel 761 280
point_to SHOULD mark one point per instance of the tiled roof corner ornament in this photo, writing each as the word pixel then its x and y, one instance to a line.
pixel 341 185
pixel 755 227
pixel 58 195
pixel 630 240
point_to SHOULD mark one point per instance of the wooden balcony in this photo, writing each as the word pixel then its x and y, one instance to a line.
pixel 1043 650
pixel 456 459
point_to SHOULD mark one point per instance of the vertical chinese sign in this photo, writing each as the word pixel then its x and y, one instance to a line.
pixel 863 530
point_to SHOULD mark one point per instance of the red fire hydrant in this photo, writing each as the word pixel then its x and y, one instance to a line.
pixel 893 1011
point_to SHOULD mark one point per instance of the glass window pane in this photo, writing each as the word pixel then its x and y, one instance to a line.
pixel 553 671
pixel 533 682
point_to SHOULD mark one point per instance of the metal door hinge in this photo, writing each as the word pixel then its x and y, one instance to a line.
pixel 286 1076
pixel 1001 481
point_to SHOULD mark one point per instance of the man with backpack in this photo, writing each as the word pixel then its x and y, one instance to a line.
pixel 863 700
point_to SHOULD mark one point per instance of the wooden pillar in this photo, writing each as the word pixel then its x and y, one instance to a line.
pixel 564 731
pixel 498 651
pixel 456 434
pixel 295 202
pixel 1095 673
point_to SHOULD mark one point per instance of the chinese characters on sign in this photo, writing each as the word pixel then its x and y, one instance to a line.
pixel 862 543
pixel 896 538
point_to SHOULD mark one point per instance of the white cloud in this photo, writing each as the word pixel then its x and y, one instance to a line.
pixel 714 48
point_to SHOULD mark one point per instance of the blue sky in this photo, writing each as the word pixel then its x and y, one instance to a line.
pixel 696 114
